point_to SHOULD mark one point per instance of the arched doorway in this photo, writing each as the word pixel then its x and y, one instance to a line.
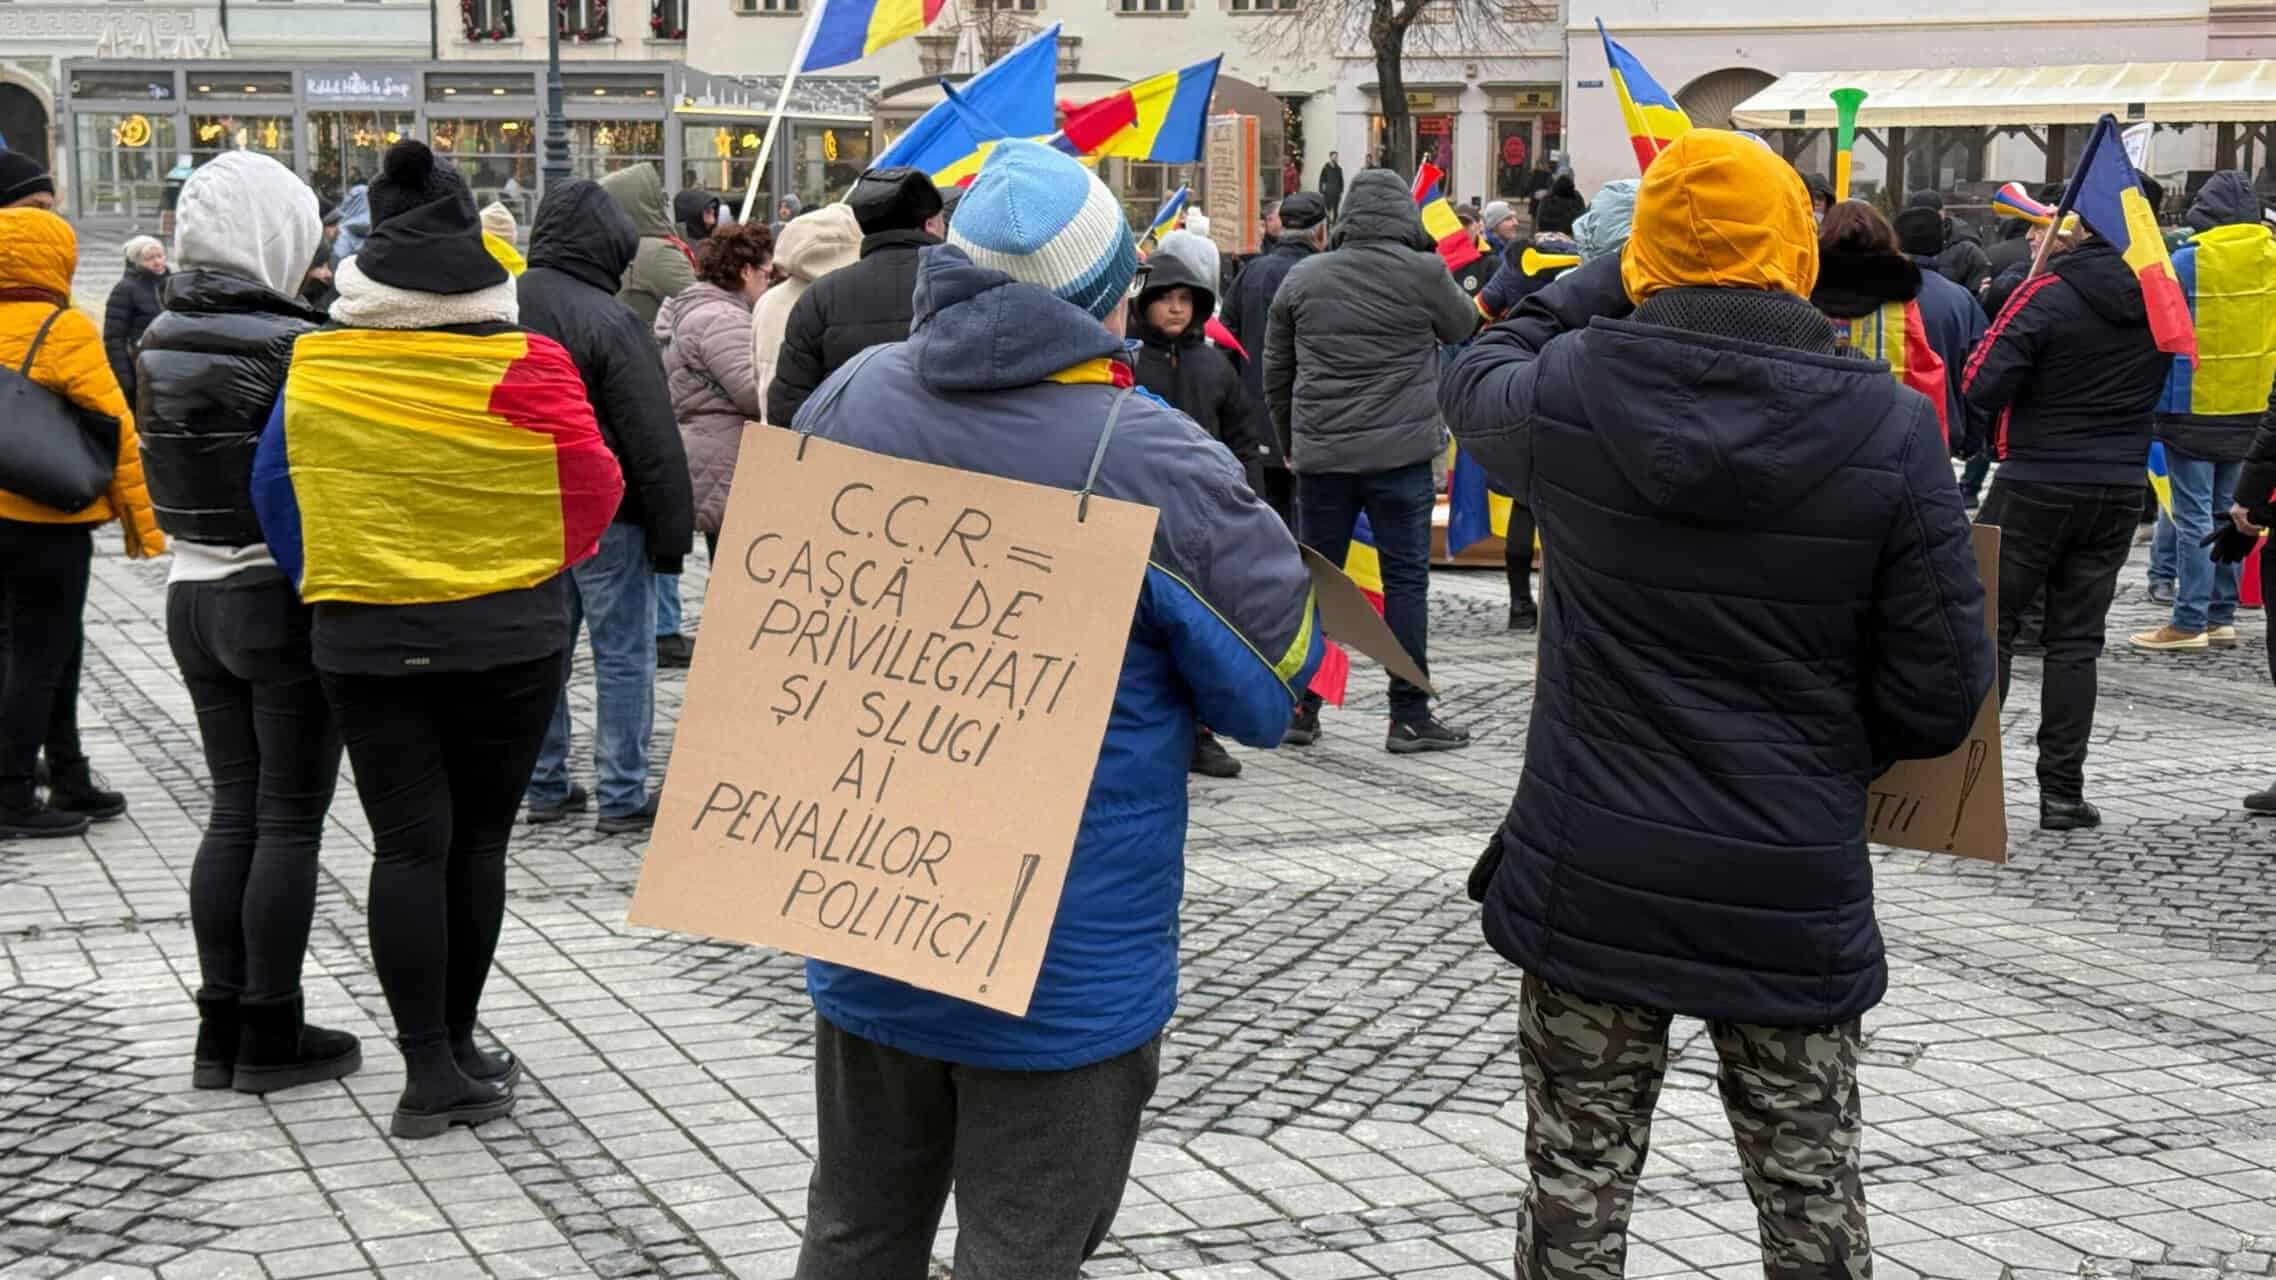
pixel 1708 100
pixel 23 122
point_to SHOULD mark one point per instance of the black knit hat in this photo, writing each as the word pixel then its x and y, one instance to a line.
pixel 1920 230
pixel 425 232
pixel 21 176
pixel 895 199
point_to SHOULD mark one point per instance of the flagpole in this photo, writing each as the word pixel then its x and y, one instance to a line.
pixel 781 104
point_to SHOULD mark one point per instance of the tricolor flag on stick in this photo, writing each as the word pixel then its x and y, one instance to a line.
pixel 1159 120
pixel 1167 216
pixel 1652 117
pixel 2109 199
pixel 1455 244
pixel 849 30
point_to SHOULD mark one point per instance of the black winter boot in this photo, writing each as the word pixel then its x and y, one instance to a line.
pixel 214 1062
pixel 276 1050
pixel 439 1094
pixel 24 816
pixel 501 1068
pixel 73 788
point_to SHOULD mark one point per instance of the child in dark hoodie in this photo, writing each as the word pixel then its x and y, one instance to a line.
pixel 1178 364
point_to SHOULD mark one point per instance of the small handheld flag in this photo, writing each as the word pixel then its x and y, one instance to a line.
pixel 1167 216
pixel 1456 246
pixel 2108 197
pixel 2161 478
pixel 1650 112
pixel 849 30
pixel 1845 105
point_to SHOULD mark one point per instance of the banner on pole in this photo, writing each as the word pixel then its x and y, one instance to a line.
pixel 894 715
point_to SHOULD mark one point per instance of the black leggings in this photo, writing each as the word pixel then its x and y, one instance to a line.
pixel 274 755
pixel 1517 554
pixel 43 590
pixel 441 761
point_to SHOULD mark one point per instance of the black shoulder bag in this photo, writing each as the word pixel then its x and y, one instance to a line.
pixel 52 450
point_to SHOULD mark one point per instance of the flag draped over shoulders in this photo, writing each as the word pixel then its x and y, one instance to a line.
pixel 416 467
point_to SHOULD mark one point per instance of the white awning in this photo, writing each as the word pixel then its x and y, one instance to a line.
pixel 2170 92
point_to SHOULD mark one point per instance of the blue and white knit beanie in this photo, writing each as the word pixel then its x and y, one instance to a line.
pixel 1037 215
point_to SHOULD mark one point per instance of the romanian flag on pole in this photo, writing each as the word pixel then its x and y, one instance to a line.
pixel 844 31
pixel 1456 246
pixel 416 467
pixel 1017 93
pixel 1650 112
pixel 1159 120
pixel 2108 198
pixel 1167 216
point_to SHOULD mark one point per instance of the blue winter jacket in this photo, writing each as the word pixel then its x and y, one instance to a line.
pixel 1224 631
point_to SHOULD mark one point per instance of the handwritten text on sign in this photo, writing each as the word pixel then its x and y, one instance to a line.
pixel 890 729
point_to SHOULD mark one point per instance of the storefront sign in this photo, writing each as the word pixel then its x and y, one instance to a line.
pixel 891 771
pixel 355 86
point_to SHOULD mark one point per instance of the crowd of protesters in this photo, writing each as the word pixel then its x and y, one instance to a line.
pixel 1758 574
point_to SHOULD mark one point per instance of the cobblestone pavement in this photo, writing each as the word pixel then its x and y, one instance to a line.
pixel 2074 1073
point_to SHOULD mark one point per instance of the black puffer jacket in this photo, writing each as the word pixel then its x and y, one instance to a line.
pixel 1248 311
pixel 2066 379
pixel 132 306
pixel 844 314
pixel 207 375
pixel 2013 249
pixel 1963 261
pixel 578 250
pixel 1761 593
pixel 1197 379
pixel 1351 348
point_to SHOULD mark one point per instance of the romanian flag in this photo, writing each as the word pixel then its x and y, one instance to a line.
pixel 1159 120
pixel 2012 201
pixel 2228 276
pixel 1650 112
pixel 2161 478
pixel 1474 512
pixel 1016 93
pixel 1894 334
pixel 1167 216
pixel 2108 197
pixel 843 31
pixel 1364 567
pixel 415 467
pixel 1458 247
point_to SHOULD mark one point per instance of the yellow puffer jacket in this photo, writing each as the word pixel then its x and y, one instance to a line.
pixel 38 251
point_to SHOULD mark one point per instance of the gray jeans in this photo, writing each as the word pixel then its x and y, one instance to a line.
pixel 1038 1160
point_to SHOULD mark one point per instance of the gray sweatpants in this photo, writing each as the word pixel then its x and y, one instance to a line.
pixel 1038 1160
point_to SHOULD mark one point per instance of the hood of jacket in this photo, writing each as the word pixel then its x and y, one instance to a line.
pixel 195 289
pixel 1720 430
pixel 244 214
pixel 583 231
pixel 1380 206
pixel 688 208
pixel 2226 199
pixel 814 245
pixel 978 329
pixel 38 250
pixel 1853 284
pixel 640 189
pixel 1957 230
pixel 694 298
pixel 1604 228
pixel 1176 265
pixel 2103 279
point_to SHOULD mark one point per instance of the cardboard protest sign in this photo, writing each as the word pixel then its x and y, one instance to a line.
pixel 893 718
pixel 1956 803
pixel 1346 616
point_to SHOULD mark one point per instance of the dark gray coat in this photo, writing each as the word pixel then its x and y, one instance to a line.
pixel 1351 351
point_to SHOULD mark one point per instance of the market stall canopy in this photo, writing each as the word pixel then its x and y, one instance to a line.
pixel 2169 92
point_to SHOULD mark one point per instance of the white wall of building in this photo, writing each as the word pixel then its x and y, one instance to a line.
pixel 1680 41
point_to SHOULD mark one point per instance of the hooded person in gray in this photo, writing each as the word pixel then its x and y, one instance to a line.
pixel 1351 360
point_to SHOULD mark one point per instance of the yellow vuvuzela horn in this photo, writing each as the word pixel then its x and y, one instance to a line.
pixel 1534 262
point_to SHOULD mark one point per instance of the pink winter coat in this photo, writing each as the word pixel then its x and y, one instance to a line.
pixel 706 332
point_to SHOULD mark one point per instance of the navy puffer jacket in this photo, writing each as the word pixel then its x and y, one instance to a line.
pixel 1759 593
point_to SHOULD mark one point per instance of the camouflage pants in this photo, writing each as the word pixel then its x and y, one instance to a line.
pixel 1592 1077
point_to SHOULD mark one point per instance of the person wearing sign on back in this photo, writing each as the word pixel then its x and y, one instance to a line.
pixel 1013 369
pixel 1760 594
pixel 45 553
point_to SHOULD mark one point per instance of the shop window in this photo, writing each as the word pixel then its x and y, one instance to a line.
pixel 598 147
pixel 497 157
pixel 344 147
pixel 121 160
pixel 825 159
pixel 211 135
pixel 717 158
pixel 773 8
pixel 613 88
pixel 1137 8
pixel 249 86
pixel 143 86
pixel 465 90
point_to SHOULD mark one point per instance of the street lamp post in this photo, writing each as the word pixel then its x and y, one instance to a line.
pixel 555 167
